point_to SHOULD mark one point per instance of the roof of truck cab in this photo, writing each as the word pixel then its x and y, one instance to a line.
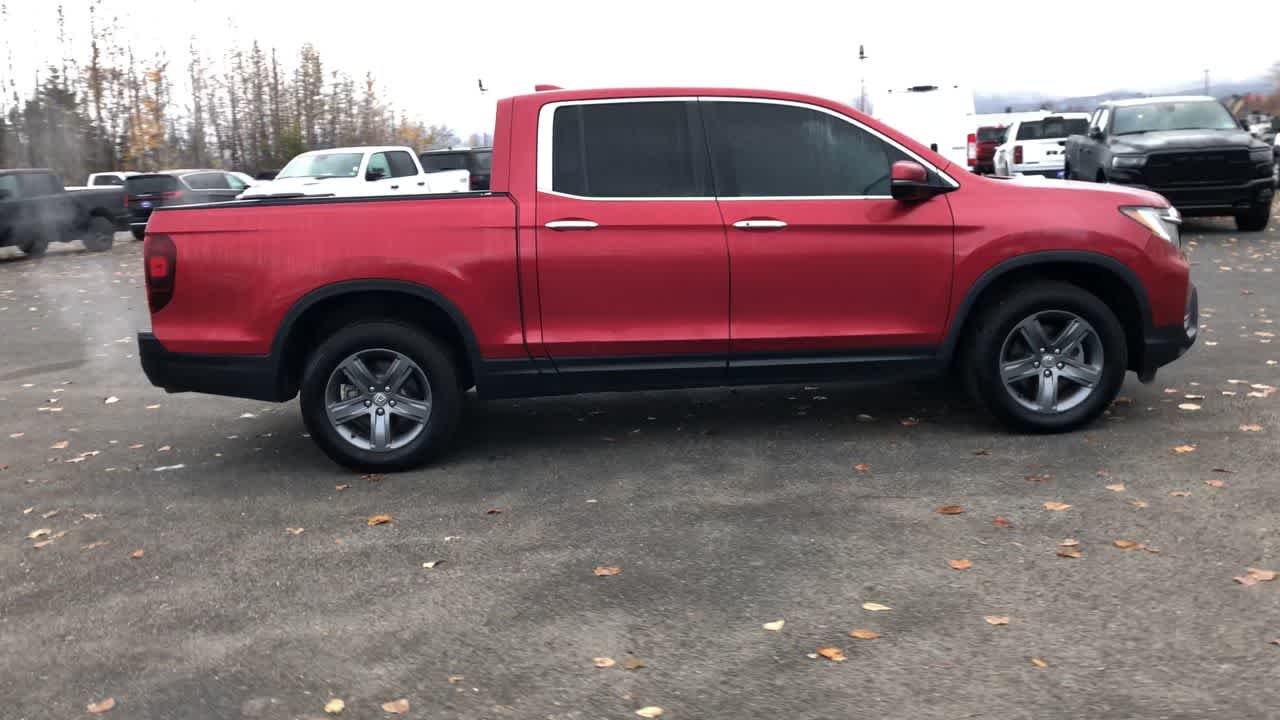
pixel 27 171
pixel 358 149
pixel 635 92
pixel 1131 102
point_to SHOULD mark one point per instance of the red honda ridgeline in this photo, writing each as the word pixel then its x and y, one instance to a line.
pixel 661 238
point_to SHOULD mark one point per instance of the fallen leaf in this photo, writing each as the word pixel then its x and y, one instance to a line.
pixel 38 533
pixel 372 477
pixel 633 664
pixel 95 544
pixel 862 467
pixel 111 400
pixel 603 662
pixel 493 511
pixel 101 706
pixel 1188 406
pixel 1262 575
pixel 334 706
pixel 949 510
pixel 1069 542
pixel 1179 493
pixel 774 626
pixel 1043 477
pixel 1001 522
pixel 875 607
pixel 432 564
pixel 60 445
pixel 1215 483
pixel 1039 663
pixel 1125 544
pixel 247 415
pixel 607 570
pixel 1193 397
pixel 42 543
pixel 90 516
pixel 1276 641
pixel 294 530
pixel 379 520
pixel 909 422
pixel 341 486
pixel 860 634
pixel 455 679
pixel 1184 449
pixel 960 564
pixel 996 619
pixel 1246 580
pixel 1138 503
pixel 1123 400
pixel 28 511
pixel 652 711
pixel 833 654
pixel 982 451
pixel 135 446
pixel 396 707
pixel 136 554
pixel 157 407
pixel 1117 487
pixel 1056 506
pixel 1071 553
pixel 1250 428
pixel 164 448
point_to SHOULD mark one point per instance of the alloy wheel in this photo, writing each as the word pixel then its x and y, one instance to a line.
pixel 378 400
pixel 1051 361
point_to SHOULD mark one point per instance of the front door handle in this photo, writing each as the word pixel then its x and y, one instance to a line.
pixel 395 187
pixel 572 225
pixel 760 224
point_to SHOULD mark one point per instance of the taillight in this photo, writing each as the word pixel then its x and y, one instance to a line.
pixel 160 257
pixel 171 195
pixel 973 149
pixel 1017 154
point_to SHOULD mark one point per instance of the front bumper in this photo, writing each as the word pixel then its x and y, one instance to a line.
pixel 246 376
pixel 1209 199
pixel 1163 345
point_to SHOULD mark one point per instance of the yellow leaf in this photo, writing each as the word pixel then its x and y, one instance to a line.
pixel 860 634
pixel 334 706
pixel 603 662
pixel 379 520
pixel 294 530
pixel 633 664
pixel 1262 575
pixel 1039 663
pixel 1138 503
pixel 1251 428
pixel 136 554
pixel 1184 449
pixel 1125 544
pixel 1117 487
pixel 60 445
pixel 607 570
pixel 875 607
pixel 862 467
pixel 1070 553
pixel 1069 542
pixel 960 564
pixel 833 654
pixel 1179 493
pixel 1214 483
pixel 1188 406
pixel 1056 506
pixel 396 707
pixel 949 510
pixel 431 564
pixel 101 706
pixel 909 422
pixel 341 486
pixel 996 619
pixel 38 533
pixel 652 711
pixel 774 626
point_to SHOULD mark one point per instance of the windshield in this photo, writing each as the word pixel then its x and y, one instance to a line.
pixel 1188 115
pixel 1052 128
pixel 322 165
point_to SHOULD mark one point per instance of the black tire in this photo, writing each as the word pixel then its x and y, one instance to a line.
pixel 1254 219
pixel 1066 172
pixel 982 357
pixel 437 364
pixel 35 245
pixel 138 233
pixel 100 234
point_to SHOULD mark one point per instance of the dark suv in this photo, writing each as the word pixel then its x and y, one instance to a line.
pixel 477 161
pixel 144 193
pixel 1189 149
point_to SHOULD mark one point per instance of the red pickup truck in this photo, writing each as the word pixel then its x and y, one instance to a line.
pixel 661 238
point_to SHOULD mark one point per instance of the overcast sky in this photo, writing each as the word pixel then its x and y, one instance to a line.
pixel 429 54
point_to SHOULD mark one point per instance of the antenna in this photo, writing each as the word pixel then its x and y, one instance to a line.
pixel 862 98
pixel 483 89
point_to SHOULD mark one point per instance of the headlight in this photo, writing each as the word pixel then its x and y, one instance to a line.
pixel 1260 155
pixel 1128 161
pixel 1162 222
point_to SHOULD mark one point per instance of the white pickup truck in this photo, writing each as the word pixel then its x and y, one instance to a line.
pixel 1037 146
pixel 358 172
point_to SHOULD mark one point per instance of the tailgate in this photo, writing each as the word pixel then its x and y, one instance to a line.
pixel 1043 152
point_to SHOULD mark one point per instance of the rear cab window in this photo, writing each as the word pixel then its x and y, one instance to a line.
pixel 1052 128
pixel 439 162
pixel 150 184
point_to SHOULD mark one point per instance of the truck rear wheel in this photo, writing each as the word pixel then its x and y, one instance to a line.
pixel 100 234
pixel 35 244
pixel 1048 357
pixel 381 396
pixel 1254 219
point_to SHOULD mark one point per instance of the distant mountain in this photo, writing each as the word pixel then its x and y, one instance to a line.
pixel 1020 101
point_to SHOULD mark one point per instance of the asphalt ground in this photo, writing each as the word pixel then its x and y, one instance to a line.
pixel 723 509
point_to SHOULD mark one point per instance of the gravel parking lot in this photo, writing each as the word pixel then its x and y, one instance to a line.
pixel 196 557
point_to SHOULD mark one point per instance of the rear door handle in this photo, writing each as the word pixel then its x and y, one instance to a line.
pixel 760 224
pixel 572 225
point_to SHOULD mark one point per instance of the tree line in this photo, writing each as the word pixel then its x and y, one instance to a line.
pixel 251 110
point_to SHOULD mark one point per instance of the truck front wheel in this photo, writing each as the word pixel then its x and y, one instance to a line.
pixel 35 244
pixel 381 396
pixel 100 234
pixel 1254 219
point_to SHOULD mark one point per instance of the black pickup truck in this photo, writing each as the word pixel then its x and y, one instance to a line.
pixel 1188 148
pixel 36 209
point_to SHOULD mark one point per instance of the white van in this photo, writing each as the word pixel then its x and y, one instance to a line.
pixel 940 117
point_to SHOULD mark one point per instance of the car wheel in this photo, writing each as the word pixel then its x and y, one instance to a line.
pixel 100 234
pixel 1066 172
pixel 138 233
pixel 35 245
pixel 381 396
pixel 1048 357
pixel 1254 219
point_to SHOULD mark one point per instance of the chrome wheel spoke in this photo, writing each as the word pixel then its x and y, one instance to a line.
pixel 1017 370
pixel 1061 351
pixel 344 411
pixel 1071 336
pixel 359 373
pixel 1033 333
pixel 396 375
pixel 1080 373
pixel 380 430
pixel 1047 393
pixel 391 403
pixel 415 410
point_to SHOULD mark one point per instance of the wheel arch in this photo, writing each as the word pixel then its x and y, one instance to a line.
pixel 325 309
pixel 1104 276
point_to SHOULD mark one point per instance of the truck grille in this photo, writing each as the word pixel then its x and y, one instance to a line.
pixel 1198 168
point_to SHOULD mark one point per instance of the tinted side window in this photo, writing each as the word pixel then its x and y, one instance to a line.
pixel 107 180
pixel 37 184
pixel 9 187
pixel 401 164
pixel 207 181
pixel 768 150
pixel 635 149
pixel 437 162
pixel 235 183
pixel 378 162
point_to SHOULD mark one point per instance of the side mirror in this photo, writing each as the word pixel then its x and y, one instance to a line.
pixel 1095 133
pixel 374 174
pixel 909 182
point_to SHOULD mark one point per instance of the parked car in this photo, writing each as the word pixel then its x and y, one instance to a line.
pixel 357 172
pixel 145 193
pixel 659 238
pixel 941 117
pixel 36 209
pixel 478 162
pixel 246 178
pixel 987 138
pixel 1189 149
pixel 1035 147
pixel 108 178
